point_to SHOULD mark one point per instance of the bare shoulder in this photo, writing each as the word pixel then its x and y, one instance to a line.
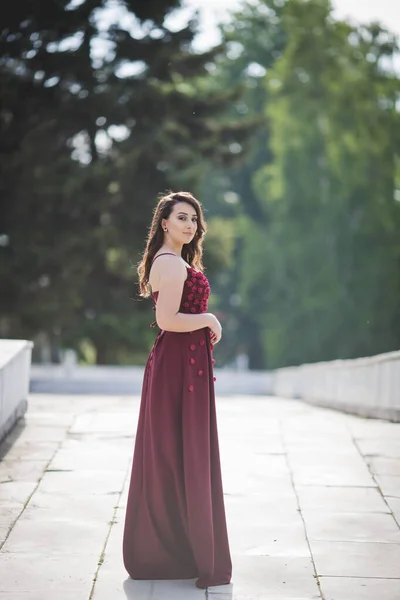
pixel 168 269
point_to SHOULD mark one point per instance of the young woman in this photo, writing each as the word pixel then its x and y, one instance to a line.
pixel 175 525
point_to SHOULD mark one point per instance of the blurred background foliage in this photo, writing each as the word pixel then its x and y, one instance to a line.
pixel 288 132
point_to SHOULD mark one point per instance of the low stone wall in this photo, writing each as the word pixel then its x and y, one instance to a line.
pixel 76 379
pixel 15 362
pixel 365 386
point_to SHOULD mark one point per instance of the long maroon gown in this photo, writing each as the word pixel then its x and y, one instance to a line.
pixel 175 526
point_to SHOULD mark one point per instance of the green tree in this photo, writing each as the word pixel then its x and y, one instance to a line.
pixel 255 39
pixel 329 258
pixel 89 139
pixel 44 224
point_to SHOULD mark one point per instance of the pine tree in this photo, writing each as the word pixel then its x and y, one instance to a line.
pixel 86 150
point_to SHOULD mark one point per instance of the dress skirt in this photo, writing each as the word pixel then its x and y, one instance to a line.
pixel 175 526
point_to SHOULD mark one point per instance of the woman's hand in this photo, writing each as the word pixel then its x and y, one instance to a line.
pixel 216 330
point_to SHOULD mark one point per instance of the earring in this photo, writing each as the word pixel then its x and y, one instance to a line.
pixel 165 229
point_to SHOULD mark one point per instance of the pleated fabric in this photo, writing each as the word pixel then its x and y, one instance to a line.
pixel 175 525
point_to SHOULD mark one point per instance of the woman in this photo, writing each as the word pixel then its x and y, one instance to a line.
pixel 175 525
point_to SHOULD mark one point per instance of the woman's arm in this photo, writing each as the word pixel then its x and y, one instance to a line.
pixel 172 276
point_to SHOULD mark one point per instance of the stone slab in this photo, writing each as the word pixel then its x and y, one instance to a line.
pixel 83 482
pixel 381 465
pixel 98 422
pixel 28 451
pixel 277 457
pixel 21 470
pixel 14 493
pixel 56 537
pixel 285 539
pixel 394 506
pixel 372 428
pixel 389 484
pixel 90 508
pixel 264 577
pixel 48 574
pixel 45 433
pixel 336 475
pixel 351 527
pixel 358 588
pixel 380 446
pixel 93 460
pixel 356 559
pixel 341 499
pixel 8 516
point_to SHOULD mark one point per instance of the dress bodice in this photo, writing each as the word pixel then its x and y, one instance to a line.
pixel 195 294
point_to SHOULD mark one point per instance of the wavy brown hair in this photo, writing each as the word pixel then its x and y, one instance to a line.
pixel 192 252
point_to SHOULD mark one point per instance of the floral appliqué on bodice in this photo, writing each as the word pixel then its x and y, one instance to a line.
pixel 195 294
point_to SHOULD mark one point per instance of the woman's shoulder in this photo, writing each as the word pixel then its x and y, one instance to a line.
pixel 170 266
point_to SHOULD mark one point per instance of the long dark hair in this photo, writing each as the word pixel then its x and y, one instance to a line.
pixel 192 252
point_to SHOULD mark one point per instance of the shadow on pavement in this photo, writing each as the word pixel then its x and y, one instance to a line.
pixel 12 436
pixel 184 589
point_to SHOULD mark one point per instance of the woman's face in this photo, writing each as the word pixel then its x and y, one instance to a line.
pixel 182 223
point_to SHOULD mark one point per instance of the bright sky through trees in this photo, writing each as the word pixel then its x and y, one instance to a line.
pixel 212 11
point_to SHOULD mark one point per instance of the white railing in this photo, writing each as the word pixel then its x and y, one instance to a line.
pixel 15 362
pixel 365 386
pixel 71 378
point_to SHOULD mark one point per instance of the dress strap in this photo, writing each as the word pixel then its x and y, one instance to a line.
pixel 163 254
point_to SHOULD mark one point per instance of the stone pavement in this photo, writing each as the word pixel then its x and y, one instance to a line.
pixel 312 498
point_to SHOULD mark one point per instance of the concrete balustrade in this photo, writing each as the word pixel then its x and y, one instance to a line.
pixel 365 386
pixel 126 380
pixel 15 362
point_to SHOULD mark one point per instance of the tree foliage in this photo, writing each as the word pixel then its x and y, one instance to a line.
pixel 103 106
pixel 99 115
pixel 317 265
pixel 331 254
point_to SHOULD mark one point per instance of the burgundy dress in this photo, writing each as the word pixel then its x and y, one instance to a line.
pixel 175 526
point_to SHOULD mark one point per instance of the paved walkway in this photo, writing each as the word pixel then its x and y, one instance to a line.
pixel 312 497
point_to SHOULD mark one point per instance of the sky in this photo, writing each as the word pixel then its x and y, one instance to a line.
pixel 362 11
